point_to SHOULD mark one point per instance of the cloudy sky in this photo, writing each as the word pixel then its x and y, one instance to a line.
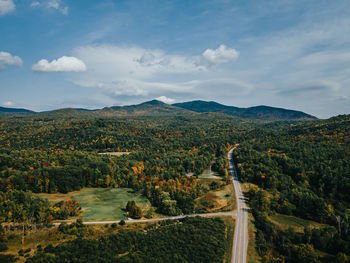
pixel 83 53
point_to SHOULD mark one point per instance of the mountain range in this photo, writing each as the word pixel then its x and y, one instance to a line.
pixel 158 108
pixel 15 112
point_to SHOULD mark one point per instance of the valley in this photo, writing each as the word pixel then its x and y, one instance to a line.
pixel 174 167
pixel 174 131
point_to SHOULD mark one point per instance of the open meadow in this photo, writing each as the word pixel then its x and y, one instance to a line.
pixel 101 204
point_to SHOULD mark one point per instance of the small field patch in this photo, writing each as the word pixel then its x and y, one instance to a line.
pixel 101 204
pixel 209 174
pixel 219 200
pixel 298 224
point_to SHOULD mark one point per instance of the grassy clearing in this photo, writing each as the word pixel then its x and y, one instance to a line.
pixel 101 204
pixel 219 200
pixel 227 194
pixel 209 174
pixel 230 229
pixel 298 224
pixel 54 198
pixel 252 254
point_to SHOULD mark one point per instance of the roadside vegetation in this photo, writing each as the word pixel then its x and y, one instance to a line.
pixel 47 157
pixel 189 240
pixel 298 190
pixel 296 175
pixel 218 196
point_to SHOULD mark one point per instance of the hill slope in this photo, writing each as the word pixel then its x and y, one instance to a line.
pixel 149 108
pixel 258 112
pixel 158 108
pixel 14 112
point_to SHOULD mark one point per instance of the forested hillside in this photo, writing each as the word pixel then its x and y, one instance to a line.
pixel 157 108
pixel 253 113
pixel 54 155
pixel 303 171
pixel 15 112
pixel 294 169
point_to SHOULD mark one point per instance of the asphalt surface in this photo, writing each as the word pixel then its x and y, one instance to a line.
pixel 158 219
pixel 240 241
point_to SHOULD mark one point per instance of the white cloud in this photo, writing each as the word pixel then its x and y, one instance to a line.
pixel 165 99
pixel 53 4
pixel 8 104
pixel 326 57
pixel 135 71
pixel 64 10
pixel 7 59
pixel 64 63
pixel 34 4
pixel 312 88
pixel 220 55
pixel 133 87
pixel 7 6
pixel 138 62
pixel 56 5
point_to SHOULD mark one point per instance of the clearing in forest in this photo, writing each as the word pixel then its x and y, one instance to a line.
pixel 288 221
pixel 101 204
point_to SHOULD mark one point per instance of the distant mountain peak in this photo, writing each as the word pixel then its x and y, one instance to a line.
pixel 159 108
pixel 258 112
pixel 15 111
pixel 154 103
pixel 148 108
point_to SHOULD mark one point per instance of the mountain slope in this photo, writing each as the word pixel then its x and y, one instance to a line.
pixel 15 112
pixel 258 112
pixel 158 108
pixel 66 113
pixel 149 108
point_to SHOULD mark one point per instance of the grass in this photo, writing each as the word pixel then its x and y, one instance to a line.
pixel 101 204
pixel 209 174
pixel 298 224
pixel 252 254
pixel 219 200
pixel 228 195
pixel 230 229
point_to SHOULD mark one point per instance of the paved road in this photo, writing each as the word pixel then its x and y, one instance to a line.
pixel 159 219
pixel 240 241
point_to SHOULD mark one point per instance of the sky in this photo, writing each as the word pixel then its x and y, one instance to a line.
pixel 91 54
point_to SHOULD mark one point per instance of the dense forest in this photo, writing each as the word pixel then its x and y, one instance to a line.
pixel 189 240
pixel 302 170
pixel 50 155
pixel 192 240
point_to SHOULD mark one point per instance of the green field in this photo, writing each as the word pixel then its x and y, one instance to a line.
pixel 102 203
pixel 298 224
pixel 209 174
pixel 230 229
pixel 219 200
pixel 252 253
